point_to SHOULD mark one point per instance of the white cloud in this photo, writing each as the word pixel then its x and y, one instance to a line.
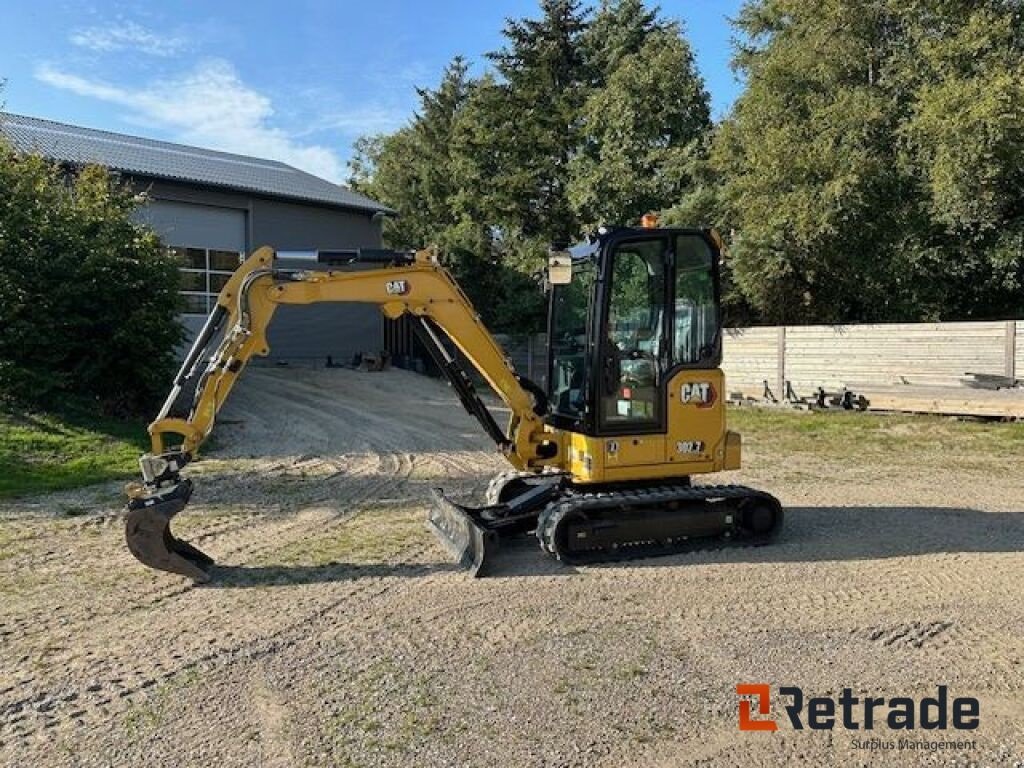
pixel 209 107
pixel 358 121
pixel 323 109
pixel 127 36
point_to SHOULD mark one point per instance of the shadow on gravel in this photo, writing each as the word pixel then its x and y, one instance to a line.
pixel 517 557
pixel 239 576
pixel 522 556
pixel 812 534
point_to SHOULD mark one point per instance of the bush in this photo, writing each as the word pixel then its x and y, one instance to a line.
pixel 88 298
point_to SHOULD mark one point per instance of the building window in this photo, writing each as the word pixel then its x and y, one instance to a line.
pixel 204 271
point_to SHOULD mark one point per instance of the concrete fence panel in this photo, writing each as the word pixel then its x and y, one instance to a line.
pixel 751 357
pixel 1019 350
pixel 899 366
pixel 936 354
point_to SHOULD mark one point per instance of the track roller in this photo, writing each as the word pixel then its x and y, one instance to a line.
pixel 626 524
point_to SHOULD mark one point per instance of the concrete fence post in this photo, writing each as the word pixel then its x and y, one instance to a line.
pixel 1010 347
pixel 780 375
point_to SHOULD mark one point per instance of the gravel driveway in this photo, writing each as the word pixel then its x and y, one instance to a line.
pixel 338 634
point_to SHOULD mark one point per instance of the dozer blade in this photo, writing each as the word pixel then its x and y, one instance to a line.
pixel 471 544
pixel 148 532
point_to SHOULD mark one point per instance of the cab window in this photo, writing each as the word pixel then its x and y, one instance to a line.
pixel 634 335
pixel 695 329
pixel 569 331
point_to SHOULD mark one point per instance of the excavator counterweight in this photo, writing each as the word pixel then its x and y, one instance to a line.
pixel 604 454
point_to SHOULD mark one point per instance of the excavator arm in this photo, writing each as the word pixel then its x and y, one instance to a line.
pixel 236 330
pixel 608 487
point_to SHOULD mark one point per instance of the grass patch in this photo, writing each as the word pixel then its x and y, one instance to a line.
pixel 47 452
pixel 369 537
pixel 841 434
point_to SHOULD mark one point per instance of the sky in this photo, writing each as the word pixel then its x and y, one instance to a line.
pixel 296 82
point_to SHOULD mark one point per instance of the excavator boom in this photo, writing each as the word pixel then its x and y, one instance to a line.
pixel 235 331
pixel 603 459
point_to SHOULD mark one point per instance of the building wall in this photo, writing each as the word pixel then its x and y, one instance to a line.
pixel 186 215
pixel 313 332
pixel 195 224
pixel 297 227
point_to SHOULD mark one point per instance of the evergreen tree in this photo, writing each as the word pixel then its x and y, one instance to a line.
pixel 868 166
pixel 644 129
pixel 530 120
pixel 618 29
pixel 424 173
pixel 410 170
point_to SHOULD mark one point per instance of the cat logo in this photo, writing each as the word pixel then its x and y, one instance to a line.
pixel 397 287
pixel 699 392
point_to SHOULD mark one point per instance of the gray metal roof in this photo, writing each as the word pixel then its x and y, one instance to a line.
pixel 176 162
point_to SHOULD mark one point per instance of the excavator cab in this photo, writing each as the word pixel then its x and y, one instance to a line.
pixel 640 305
pixel 635 396
pixel 637 320
pixel 603 453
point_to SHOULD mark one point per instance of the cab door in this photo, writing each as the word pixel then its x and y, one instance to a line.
pixel 695 400
pixel 632 350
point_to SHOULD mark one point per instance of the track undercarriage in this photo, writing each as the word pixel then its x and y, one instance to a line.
pixel 586 524
pixel 573 523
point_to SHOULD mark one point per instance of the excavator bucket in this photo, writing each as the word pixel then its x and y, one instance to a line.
pixel 148 531
pixel 466 537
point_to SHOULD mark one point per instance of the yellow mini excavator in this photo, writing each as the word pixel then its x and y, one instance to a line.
pixel 603 455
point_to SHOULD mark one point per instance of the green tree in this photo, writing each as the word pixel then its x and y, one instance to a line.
pixel 618 29
pixel 584 119
pixel 867 167
pixel 424 173
pixel 410 170
pixel 88 298
pixel 964 141
pixel 644 131
pixel 528 121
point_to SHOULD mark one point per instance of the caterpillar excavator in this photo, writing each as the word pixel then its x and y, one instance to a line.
pixel 602 457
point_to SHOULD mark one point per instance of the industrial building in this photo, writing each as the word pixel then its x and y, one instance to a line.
pixel 213 207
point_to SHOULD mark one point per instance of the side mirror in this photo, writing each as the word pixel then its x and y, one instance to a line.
pixel 559 268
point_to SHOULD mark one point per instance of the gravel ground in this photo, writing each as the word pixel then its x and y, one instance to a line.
pixel 338 634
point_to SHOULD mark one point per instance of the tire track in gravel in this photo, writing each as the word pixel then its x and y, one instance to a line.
pixel 121 686
pixel 249 538
pixel 145 670
pixel 273 718
pixel 247 534
pixel 258 534
pixel 387 469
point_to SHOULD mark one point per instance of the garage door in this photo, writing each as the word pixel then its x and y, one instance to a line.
pixel 200 226
pixel 208 241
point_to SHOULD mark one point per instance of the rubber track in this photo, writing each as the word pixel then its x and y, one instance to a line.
pixel 500 480
pixel 552 517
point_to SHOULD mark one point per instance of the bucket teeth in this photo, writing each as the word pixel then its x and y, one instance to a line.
pixel 472 545
pixel 149 537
